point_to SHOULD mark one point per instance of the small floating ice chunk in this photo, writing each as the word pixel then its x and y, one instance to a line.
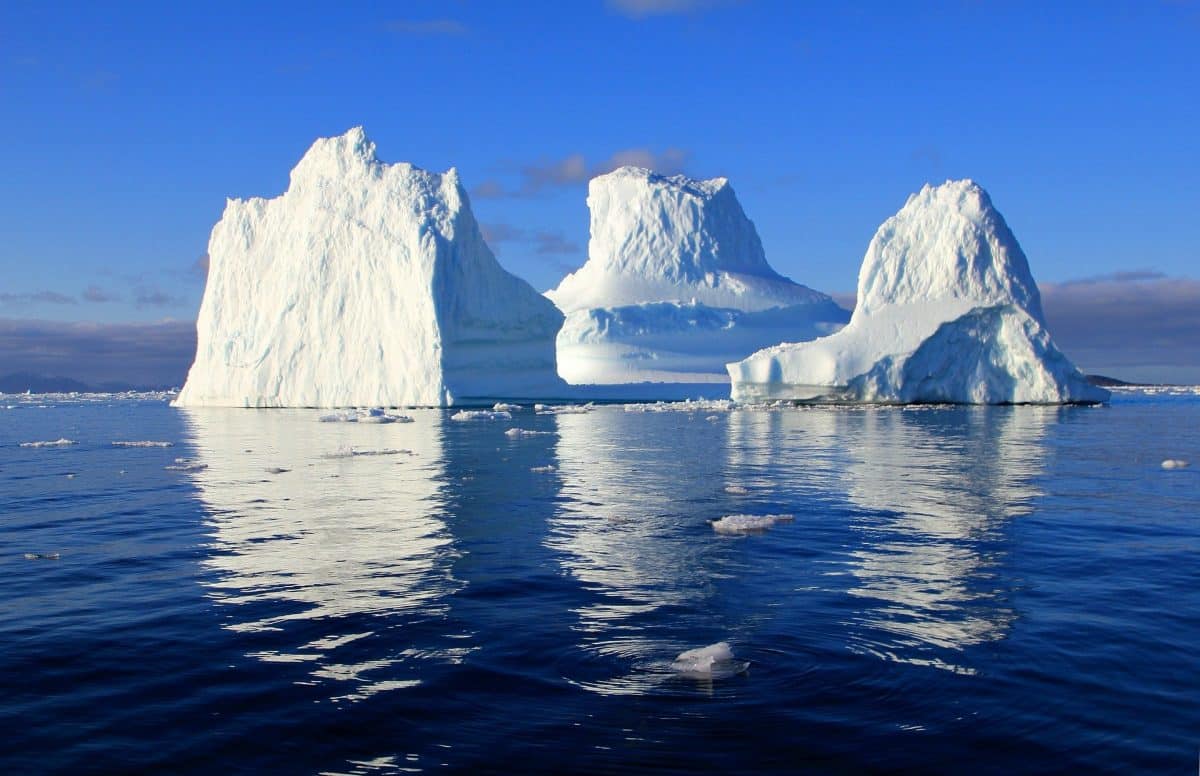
pixel 185 465
pixel 463 415
pixel 713 661
pixel 563 409
pixel 352 452
pixel 1175 463
pixel 276 470
pixel 743 524
pixel 143 443
pixel 503 407
pixel 517 433
pixel 42 556
pixel 737 490
pixel 52 443
pixel 542 469
pixel 339 417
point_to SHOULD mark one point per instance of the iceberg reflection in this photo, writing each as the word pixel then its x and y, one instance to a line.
pixel 937 488
pixel 325 534
pixel 623 532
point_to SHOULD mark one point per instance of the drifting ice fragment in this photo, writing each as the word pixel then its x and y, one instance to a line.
pixel 143 443
pixel 714 661
pixel 53 443
pixel 1175 463
pixel 351 452
pixel 462 415
pixel 737 490
pixel 502 407
pixel 542 469
pixel 185 465
pixel 41 556
pixel 517 433
pixel 563 409
pixel 743 524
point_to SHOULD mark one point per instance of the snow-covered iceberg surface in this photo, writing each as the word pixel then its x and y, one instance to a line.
pixel 364 284
pixel 676 285
pixel 947 312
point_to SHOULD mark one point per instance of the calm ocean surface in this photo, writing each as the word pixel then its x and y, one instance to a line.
pixel 993 589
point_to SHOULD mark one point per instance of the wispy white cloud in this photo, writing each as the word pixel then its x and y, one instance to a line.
pixel 640 9
pixel 573 169
pixel 544 243
pixel 99 295
pixel 36 297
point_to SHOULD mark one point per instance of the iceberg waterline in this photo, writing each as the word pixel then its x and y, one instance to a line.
pixel 370 284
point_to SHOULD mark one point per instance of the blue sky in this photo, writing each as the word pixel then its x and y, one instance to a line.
pixel 125 127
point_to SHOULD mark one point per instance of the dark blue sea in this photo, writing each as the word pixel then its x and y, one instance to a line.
pixel 992 589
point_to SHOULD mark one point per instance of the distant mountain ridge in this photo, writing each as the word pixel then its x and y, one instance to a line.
pixel 20 382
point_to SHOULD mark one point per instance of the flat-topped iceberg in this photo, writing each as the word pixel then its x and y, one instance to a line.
pixel 947 312
pixel 676 284
pixel 364 284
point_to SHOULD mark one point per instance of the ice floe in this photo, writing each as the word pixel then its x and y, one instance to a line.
pixel 464 415
pixel 185 465
pixel 1175 463
pixel 52 443
pixel 714 661
pixel 376 415
pixel 143 443
pixel 518 433
pixel 743 524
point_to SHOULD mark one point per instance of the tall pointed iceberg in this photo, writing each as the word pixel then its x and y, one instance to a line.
pixel 676 284
pixel 947 311
pixel 364 283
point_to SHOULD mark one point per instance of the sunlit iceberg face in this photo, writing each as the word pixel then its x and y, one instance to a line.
pixel 937 489
pixel 325 534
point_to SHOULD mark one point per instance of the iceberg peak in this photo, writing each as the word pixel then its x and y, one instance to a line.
pixel 658 238
pixel 965 249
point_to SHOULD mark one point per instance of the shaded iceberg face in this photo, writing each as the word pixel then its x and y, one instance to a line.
pixel 325 535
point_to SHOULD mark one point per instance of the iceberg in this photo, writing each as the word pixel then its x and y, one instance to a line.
pixel 676 284
pixel 947 311
pixel 364 284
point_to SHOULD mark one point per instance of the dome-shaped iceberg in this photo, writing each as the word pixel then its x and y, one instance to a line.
pixel 948 311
